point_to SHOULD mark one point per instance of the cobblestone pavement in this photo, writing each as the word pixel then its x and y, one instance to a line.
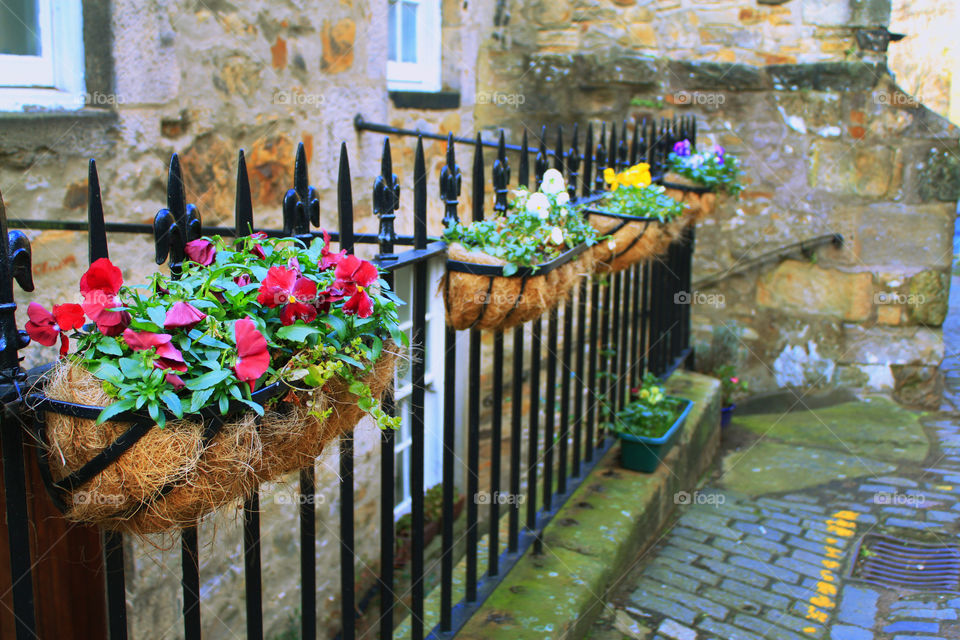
pixel 765 548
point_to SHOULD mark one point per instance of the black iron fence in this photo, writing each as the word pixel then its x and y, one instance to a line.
pixel 598 345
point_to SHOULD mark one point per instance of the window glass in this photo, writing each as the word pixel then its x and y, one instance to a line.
pixel 409 32
pixel 20 28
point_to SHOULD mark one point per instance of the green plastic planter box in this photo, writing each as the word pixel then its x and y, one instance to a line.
pixel 638 453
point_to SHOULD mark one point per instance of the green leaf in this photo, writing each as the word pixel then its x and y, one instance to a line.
pixel 154 409
pixel 253 405
pixel 296 332
pixel 367 403
pixel 376 348
pixel 208 380
pixel 157 315
pixel 358 388
pixel 106 371
pixel 350 361
pixel 132 369
pixel 200 399
pixel 224 403
pixel 116 408
pixel 210 341
pixel 173 403
pixel 509 269
pixel 110 345
pixel 338 325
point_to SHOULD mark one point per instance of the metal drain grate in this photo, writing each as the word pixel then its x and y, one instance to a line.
pixel 893 562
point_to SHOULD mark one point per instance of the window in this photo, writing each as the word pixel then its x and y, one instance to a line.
pixel 41 54
pixel 413 56
pixel 433 401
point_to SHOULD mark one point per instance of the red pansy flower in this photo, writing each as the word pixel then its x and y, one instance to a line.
pixel 326 298
pixel 45 327
pixel 329 259
pixel 99 287
pixel 287 287
pixel 183 315
pixel 201 251
pixel 353 277
pixel 168 356
pixel 252 355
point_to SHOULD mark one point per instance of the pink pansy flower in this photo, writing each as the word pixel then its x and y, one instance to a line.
pixel 201 251
pixel 257 250
pixel 175 380
pixel 183 315
pixel 167 355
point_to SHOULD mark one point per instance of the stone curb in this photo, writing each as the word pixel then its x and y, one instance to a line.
pixel 596 536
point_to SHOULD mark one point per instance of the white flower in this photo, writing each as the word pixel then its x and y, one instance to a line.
pixel 552 182
pixel 563 198
pixel 539 204
pixel 556 236
pixel 612 244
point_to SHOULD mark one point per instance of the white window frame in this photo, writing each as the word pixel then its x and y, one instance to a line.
pixel 423 75
pixel 433 398
pixel 54 79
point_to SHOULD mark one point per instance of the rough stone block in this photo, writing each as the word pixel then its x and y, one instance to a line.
pixel 861 170
pixel 891 345
pixel 894 234
pixel 809 289
pixel 927 302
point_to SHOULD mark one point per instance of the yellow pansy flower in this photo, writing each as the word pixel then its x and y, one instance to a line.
pixel 610 177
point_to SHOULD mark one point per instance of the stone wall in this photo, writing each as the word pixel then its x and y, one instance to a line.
pixel 801 93
pixel 784 85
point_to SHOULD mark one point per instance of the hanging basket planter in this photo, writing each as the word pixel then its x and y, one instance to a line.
pixel 700 201
pixel 633 239
pixel 186 394
pixel 129 475
pixel 477 294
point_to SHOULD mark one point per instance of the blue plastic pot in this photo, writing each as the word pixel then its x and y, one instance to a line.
pixel 726 415
pixel 639 453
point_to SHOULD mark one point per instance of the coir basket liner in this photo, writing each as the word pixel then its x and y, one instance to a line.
pixel 169 478
pixel 633 238
pixel 701 201
pixel 478 296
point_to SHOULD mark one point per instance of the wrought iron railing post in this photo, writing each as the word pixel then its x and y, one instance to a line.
pixel 347 554
pixel 386 201
pixel 418 373
pixel 450 182
pixel 177 224
pixel 15 261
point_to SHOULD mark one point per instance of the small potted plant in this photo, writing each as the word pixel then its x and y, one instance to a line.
pixel 185 394
pixel 695 178
pixel 638 217
pixel 731 387
pixel 648 425
pixel 511 269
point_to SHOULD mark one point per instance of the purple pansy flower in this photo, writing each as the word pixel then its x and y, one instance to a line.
pixel 682 148
pixel 719 151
